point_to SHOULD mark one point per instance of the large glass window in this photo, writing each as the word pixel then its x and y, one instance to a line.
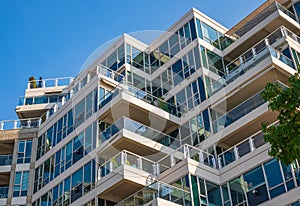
pixel 254 178
pixel 77 185
pixel 79 113
pixel 24 151
pixel 21 183
pixel 78 147
pixel 210 35
pixel 89 105
pixel 237 192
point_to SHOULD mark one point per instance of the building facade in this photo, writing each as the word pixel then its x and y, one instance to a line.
pixel 173 122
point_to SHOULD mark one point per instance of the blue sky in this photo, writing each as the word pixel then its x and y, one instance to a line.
pixel 53 38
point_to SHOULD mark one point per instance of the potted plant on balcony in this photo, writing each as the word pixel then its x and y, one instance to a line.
pixel 32 83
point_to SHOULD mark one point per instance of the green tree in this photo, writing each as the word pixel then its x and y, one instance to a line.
pixel 284 137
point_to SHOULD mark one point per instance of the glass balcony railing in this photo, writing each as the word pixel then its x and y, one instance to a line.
pixel 54 82
pixel 6 159
pixel 126 158
pixel 237 112
pixel 142 95
pixel 287 12
pixel 20 123
pixel 3 192
pixel 39 100
pixel 293 36
pixel 184 152
pixel 158 190
pixel 140 129
pixel 250 59
pixel 241 149
pixel 110 73
pixel 265 13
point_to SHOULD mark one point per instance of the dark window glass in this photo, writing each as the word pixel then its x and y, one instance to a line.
pixel 254 178
pixel 273 173
pixel 193 29
pixel 199 30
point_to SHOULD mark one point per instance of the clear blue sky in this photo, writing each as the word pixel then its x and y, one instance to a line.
pixel 53 38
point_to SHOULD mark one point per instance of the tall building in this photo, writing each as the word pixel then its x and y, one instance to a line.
pixel 175 122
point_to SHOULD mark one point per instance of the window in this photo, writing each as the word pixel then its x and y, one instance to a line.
pixel 70 122
pixel 88 140
pixel 24 151
pixel 21 184
pixel 78 147
pixel 79 113
pixel 76 191
pixel 89 105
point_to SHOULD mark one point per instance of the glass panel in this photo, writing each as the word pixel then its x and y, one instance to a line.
pixel 273 173
pixel 237 192
pixel 213 194
pixel 210 35
pixel 254 178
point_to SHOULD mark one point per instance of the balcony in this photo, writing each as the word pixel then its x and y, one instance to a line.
pixel 39 100
pixel 141 95
pixel 134 136
pixel 3 192
pixel 158 190
pixel 251 58
pixel 19 124
pixel 184 152
pixel 127 158
pixel 6 159
pixel 109 73
pixel 122 175
pixel 46 83
pixel 258 25
pixel 275 6
pixel 226 119
pixel 241 149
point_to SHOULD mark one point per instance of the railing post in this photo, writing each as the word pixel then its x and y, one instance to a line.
pixel 214 164
pixel 99 173
pixel 1 125
pixel 56 82
pixel 122 158
pixel 251 144
pixel 283 31
pixel 28 123
pixel 172 159
pixel 63 100
pixel 267 42
pixel 47 114
pixel 157 170
pixel 219 162
pixel 241 60
pixel 236 153
pixel 55 108
pixel 186 152
pixel 71 93
pixel 43 83
pixel 140 166
pixel 71 79
pixel 15 124
pixel 253 51
pixel 40 121
pixel 201 157
pixel 28 85
pixel 110 166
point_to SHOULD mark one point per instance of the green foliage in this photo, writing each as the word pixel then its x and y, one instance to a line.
pixel 285 137
pixel 162 104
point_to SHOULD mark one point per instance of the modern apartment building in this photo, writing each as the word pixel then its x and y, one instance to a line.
pixel 175 122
